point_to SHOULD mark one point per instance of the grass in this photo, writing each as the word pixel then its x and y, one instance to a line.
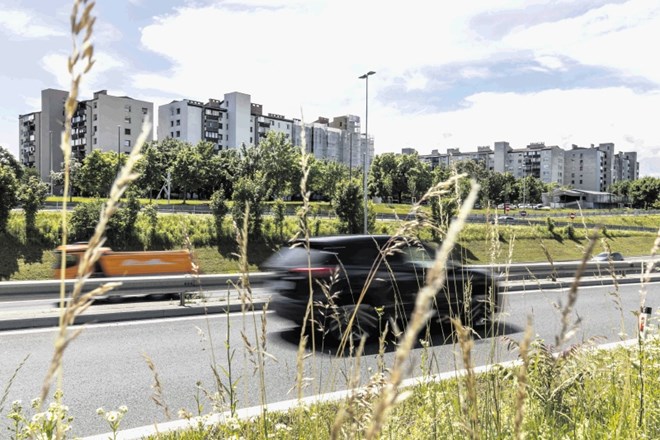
pixel 574 394
pixel 586 394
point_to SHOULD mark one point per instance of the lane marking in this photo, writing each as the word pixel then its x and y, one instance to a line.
pixel 131 323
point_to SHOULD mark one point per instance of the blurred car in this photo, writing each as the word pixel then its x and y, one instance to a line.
pixel 504 220
pixel 608 256
pixel 337 268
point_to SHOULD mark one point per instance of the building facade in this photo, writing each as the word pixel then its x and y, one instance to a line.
pixel 105 122
pixel 590 169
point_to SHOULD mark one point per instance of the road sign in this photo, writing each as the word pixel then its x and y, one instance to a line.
pixel 523 213
pixel 572 215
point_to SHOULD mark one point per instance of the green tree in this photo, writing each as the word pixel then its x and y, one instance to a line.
pixel 249 191
pixel 496 188
pixel 8 197
pixel 280 163
pixel 186 174
pixel 32 196
pixel 8 159
pixel 529 189
pixel 645 192
pixel 381 175
pixel 219 210
pixel 98 171
pixel 279 214
pixel 348 206
pixel 330 174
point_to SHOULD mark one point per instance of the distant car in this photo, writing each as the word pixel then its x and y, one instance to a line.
pixel 607 256
pixel 504 220
pixel 337 268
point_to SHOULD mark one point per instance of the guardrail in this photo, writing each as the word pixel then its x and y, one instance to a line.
pixel 176 284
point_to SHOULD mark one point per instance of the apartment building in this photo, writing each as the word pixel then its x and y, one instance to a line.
pixel 105 122
pixel 236 120
pixel 590 169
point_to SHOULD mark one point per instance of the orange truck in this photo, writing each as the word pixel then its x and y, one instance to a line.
pixel 121 264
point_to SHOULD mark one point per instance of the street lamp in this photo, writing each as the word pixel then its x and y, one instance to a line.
pixel 118 148
pixel 50 153
pixel 366 138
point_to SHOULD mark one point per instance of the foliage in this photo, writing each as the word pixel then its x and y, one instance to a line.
pixel 32 195
pixel 186 170
pixel 349 206
pixel 8 160
pixel 644 192
pixel 98 171
pixel 8 198
pixel 279 215
pixel 219 209
pixel 249 192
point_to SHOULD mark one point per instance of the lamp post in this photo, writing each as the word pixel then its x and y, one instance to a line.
pixel 118 148
pixel 366 139
pixel 50 153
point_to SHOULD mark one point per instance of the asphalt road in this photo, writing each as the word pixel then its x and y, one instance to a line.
pixel 105 366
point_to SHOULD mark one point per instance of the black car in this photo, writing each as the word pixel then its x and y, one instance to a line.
pixel 337 268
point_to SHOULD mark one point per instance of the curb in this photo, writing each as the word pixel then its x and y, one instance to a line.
pixel 130 315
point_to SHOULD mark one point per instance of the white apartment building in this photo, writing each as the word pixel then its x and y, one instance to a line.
pixel 236 120
pixel 590 169
pixel 107 123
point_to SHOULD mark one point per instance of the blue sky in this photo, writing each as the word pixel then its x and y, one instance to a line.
pixel 449 74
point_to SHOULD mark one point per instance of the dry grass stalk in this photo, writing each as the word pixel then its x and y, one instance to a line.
pixel 157 386
pixel 5 393
pixel 567 329
pixel 79 302
pixel 521 394
pixel 435 280
pixel 470 407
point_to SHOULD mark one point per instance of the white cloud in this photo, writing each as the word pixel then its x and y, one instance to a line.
pixel 26 24
pixel 56 65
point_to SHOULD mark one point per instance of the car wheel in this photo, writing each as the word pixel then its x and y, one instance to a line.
pixel 364 325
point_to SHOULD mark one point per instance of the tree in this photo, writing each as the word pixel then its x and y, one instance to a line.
pixel 152 174
pixel 219 210
pixel 349 207
pixel 8 198
pixel 98 171
pixel 32 196
pixel 8 159
pixel 496 188
pixel 381 175
pixel 529 189
pixel 330 174
pixel 645 192
pixel 280 163
pixel 249 191
pixel 185 170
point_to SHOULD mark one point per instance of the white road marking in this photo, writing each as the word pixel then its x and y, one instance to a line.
pixel 132 323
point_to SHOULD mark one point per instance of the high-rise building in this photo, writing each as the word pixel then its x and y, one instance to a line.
pixel 107 123
pixel 236 120
pixel 591 169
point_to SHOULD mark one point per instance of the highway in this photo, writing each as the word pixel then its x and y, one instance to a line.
pixel 105 366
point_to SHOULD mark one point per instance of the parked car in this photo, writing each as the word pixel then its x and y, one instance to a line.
pixel 609 256
pixel 337 268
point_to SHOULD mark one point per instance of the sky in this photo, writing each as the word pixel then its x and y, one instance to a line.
pixel 448 74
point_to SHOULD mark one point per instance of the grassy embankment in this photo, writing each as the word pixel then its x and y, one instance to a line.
pixel 31 259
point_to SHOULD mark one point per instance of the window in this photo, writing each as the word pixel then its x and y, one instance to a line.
pixel 178 111
pixel 171 134
pixel 95 129
pixel 145 110
pixel 221 137
pixel 127 119
pixel 178 122
pixel 580 181
pixel 94 141
pixel 127 143
pixel 95 117
pixel 250 139
pixel 272 123
pixel 127 131
pixel 127 108
pixel 250 129
pixel 171 123
pixel 221 126
pixel 178 133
